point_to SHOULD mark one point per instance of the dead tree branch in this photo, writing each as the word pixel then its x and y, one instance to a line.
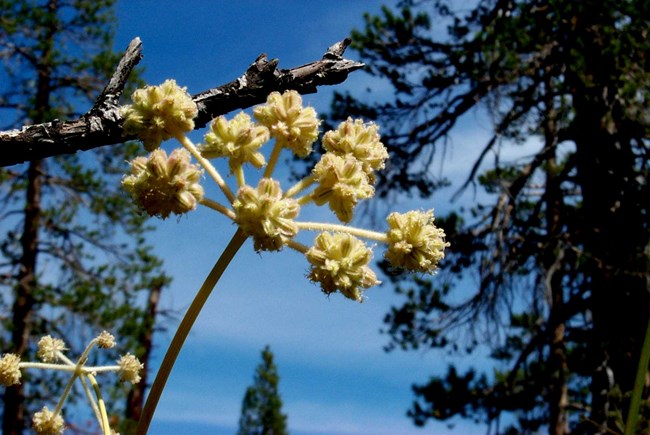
pixel 102 124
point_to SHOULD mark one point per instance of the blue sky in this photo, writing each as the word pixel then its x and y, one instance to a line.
pixel 335 377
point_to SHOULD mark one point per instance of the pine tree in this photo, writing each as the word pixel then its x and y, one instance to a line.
pixel 74 256
pixel 560 243
pixel 261 412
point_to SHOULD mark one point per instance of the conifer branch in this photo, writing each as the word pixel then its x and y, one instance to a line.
pixel 102 124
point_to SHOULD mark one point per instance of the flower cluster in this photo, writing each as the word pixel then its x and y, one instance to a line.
pixel 162 185
pixel 345 174
pixel 159 113
pixel 50 352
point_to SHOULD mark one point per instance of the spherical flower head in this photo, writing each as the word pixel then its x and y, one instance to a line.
pixel 130 368
pixel 48 348
pixel 45 422
pixel 159 113
pixel 163 185
pixel 264 215
pixel 360 140
pixel 339 262
pixel 341 183
pixel 105 340
pixel 414 242
pixel 10 369
pixel 239 140
pixel 291 125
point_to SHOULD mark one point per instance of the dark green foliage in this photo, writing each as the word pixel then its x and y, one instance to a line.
pixel 74 258
pixel 550 269
pixel 261 412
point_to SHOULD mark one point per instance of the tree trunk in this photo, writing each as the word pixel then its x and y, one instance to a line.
pixel 135 399
pixel 612 216
pixel 552 262
pixel 13 417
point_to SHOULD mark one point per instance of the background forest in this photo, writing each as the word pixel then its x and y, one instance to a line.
pixel 523 124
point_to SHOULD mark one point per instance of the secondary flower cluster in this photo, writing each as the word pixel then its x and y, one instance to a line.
pixel 344 175
pixel 50 352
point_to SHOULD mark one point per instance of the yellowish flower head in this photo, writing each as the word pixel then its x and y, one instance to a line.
pixel 45 422
pixel 130 368
pixel 293 126
pixel 163 185
pixel 159 113
pixel 105 340
pixel 264 215
pixel 414 242
pixel 360 140
pixel 339 262
pixel 341 183
pixel 239 140
pixel 48 348
pixel 10 369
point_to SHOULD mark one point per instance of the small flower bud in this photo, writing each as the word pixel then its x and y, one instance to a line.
pixel 360 141
pixel 163 185
pixel 130 368
pixel 159 113
pixel 45 422
pixel 105 340
pixel 48 348
pixel 264 215
pixel 291 125
pixel 339 262
pixel 341 183
pixel 414 242
pixel 239 140
pixel 10 369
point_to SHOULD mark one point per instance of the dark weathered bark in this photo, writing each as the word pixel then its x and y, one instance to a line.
pixel 102 125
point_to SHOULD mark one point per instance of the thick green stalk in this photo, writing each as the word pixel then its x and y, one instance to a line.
pixel 639 384
pixel 184 329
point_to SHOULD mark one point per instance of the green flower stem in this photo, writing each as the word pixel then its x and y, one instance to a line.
pixel 214 205
pixel 300 186
pixel 639 384
pixel 321 226
pixel 304 200
pixel 239 175
pixel 184 329
pixel 78 370
pixel 106 428
pixel 297 246
pixel 47 366
pixel 273 159
pixel 209 168
pixel 91 400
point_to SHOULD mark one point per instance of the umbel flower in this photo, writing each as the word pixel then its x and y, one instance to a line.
pixel 359 140
pixel 49 348
pixel 340 262
pixel 239 140
pixel 414 242
pixel 130 368
pixel 46 422
pixel 10 369
pixel 159 113
pixel 344 176
pixel 163 185
pixel 50 351
pixel 265 215
pixel 293 126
